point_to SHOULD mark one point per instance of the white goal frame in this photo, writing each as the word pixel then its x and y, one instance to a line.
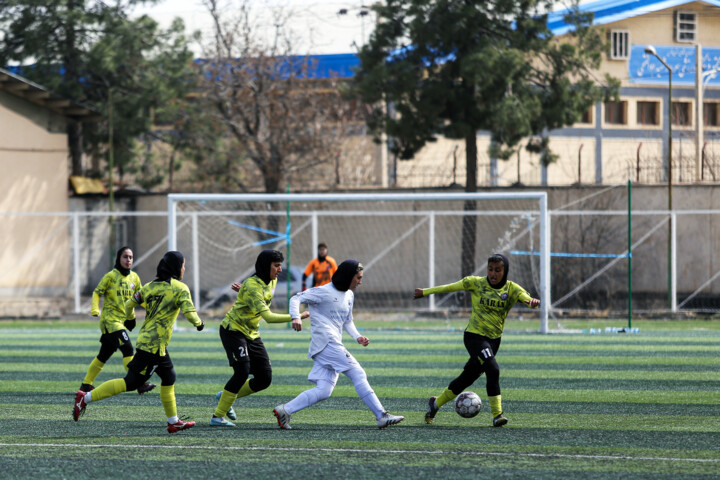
pixel 540 197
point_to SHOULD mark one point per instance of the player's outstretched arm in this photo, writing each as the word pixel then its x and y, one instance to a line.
pixel 532 303
pixel 449 288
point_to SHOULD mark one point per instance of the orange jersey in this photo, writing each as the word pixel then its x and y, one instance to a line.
pixel 322 272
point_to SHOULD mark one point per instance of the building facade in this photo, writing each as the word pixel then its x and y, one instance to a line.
pixel 625 140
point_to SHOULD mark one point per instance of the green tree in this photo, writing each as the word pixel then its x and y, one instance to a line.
pixel 91 52
pixel 454 67
pixel 140 76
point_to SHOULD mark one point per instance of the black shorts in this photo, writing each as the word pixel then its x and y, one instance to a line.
pixel 480 347
pixel 240 349
pixel 115 339
pixel 112 342
pixel 146 363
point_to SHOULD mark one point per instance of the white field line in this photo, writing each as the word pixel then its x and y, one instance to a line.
pixel 359 450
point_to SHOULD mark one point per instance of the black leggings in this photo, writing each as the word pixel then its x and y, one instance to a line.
pixel 246 356
pixel 482 352
pixel 144 364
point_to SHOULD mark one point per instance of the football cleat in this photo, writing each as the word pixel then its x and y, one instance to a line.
pixel 283 418
pixel 220 422
pixel 499 421
pixel 432 411
pixel 386 420
pixel 79 407
pixel 86 387
pixel 179 425
pixel 145 388
pixel 230 413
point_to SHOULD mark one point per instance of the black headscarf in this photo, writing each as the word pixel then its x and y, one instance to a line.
pixel 125 271
pixel 344 274
pixel 264 262
pixel 322 257
pixel 499 257
pixel 170 266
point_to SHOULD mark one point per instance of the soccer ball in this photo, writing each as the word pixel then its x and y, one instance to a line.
pixel 468 404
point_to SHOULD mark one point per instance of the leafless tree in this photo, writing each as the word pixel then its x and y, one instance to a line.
pixel 279 120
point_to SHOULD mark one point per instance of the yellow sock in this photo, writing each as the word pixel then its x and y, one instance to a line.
pixel 245 390
pixel 446 396
pixel 226 401
pixel 495 405
pixel 109 389
pixel 167 397
pixel 127 360
pixel 94 370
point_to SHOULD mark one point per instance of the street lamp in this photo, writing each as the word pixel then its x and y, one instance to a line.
pixel 650 50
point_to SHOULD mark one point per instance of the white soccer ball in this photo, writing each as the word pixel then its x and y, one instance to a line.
pixel 468 404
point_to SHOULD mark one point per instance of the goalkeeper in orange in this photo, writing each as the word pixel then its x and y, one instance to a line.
pixel 163 299
pixel 492 298
pixel 321 268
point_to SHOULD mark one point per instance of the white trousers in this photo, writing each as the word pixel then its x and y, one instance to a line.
pixel 329 363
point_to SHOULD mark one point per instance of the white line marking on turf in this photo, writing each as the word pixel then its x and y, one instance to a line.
pixel 358 450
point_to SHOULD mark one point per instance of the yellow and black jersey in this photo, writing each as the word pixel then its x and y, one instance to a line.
pixel 490 306
pixel 163 301
pixel 252 300
pixel 116 289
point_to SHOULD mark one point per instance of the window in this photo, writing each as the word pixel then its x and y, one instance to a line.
pixel 616 113
pixel 681 114
pixel 710 115
pixel 685 27
pixel 647 113
pixel 619 44
pixel 587 116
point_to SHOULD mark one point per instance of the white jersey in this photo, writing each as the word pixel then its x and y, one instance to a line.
pixel 330 313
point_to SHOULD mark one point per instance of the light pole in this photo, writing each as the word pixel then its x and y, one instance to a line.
pixel 650 50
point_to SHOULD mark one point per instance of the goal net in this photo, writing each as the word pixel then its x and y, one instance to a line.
pixel 404 241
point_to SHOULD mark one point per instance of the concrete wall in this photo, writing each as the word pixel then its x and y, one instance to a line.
pixel 33 159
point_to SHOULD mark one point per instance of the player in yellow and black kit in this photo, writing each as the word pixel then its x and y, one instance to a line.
pixel 492 298
pixel 116 287
pixel 240 336
pixel 163 299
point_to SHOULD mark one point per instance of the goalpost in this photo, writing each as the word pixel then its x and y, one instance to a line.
pixel 404 240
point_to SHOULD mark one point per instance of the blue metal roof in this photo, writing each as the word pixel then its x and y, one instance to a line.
pixel 338 65
pixel 608 11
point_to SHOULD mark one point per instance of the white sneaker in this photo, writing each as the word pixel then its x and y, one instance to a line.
pixel 220 422
pixel 387 420
pixel 283 418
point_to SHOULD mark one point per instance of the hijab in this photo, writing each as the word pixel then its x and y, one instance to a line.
pixel 170 266
pixel 125 271
pixel 499 257
pixel 264 262
pixel 344 274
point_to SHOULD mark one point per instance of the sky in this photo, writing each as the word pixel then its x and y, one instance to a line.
pixel 317 25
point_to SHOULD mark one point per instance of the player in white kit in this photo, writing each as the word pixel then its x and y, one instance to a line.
pixel 330 312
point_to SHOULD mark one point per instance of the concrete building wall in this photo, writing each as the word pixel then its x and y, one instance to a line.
pixel 33 159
